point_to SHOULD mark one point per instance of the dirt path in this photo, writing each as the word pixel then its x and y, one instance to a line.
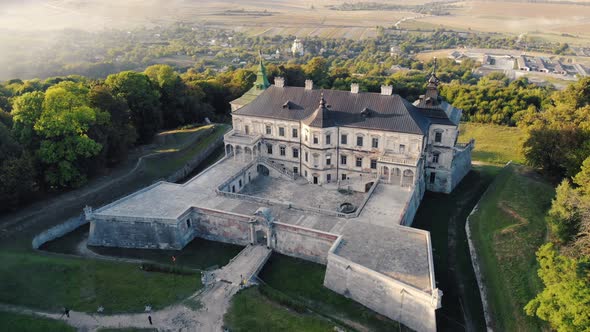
pixel 220 286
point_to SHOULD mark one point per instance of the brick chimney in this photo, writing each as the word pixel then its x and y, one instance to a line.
pixel 354 88
pixel 308 85
pixel 386 90
pixel 279 82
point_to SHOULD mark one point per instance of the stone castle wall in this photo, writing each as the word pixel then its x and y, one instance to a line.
pixel 136 234
pixel 391 298
pixel 461 165
pixel 301 242
pixel 222 226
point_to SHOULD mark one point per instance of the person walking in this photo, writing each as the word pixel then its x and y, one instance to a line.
pixel 150 319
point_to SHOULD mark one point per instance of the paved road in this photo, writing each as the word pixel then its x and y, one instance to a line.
pixel 215 298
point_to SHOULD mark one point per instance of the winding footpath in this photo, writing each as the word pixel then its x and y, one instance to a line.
pixel 215 297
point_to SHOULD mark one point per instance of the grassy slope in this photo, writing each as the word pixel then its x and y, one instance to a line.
pixel 160 167
pixel 444 216
pixel 493 144
pixel 251 311
pixel 24 323
pixel 303 281
pixel 49 282
pixel 507 230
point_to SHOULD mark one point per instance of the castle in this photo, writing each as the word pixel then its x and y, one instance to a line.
pixel 333 177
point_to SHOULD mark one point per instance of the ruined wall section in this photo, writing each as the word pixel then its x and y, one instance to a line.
pixel 302 242
pixel 389 297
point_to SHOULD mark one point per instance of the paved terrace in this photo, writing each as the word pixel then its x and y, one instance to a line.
pixel 374 239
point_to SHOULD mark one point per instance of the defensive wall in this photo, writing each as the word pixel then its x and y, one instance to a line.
pixel 461 163
pixel 392 298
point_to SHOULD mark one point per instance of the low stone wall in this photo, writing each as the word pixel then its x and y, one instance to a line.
pixel 389 297
pixel 409 211
pixel 193 163
pixel 302 242
pixel 222 226
pixel 58 231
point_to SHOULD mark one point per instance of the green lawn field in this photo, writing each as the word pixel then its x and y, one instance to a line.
pixel 507 229
pixel 493 144
pixel 10 321
pixel 297 285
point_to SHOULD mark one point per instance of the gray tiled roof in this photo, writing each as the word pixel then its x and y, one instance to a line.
pixel 343 108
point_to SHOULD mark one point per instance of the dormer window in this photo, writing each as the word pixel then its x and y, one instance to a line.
pixel 365 113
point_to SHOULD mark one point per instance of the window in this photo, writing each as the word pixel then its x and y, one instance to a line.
pixel 328 178
pixel 268 130
pixel 295 153
pixel 432 177
pixel 294 133
pixel 282 150
pixel 438 137
pixel 328 139
pixel 247 129
pixel 306 156
pixel 188 223
pixel 435 156
pixel 343 139
pixel 282 131
pixel 240 183
pixel 375 142
pixel 269 148
pixel 315 139
pixel 328 160
pixel 343 160
pixel 373 163
pixel 295 170
pixel 305 172
pixel 402 148
pixel 306 138
pixel 359 162
pixel 359 141
pixel 343 176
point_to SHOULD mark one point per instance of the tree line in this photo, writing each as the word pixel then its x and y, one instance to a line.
pixel 558 142
pixel 55 134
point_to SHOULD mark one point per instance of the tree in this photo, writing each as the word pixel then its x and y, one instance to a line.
pixel 63 127
pixel 143 100
pixel 317 70
pixel 564 216
pixel 565 300
pixel 120 134
pixel 26 111
pixel 17 173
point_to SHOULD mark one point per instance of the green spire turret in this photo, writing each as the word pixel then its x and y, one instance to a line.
pixel 261 80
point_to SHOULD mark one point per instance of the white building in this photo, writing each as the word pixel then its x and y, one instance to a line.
pixel 327 136
pixel 297 48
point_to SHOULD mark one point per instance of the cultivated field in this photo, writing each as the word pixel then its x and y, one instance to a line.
pixel 301 18
pixel 540 19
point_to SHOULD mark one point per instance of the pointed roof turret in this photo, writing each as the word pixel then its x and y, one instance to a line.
pixel 261 80
pixel 321 117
